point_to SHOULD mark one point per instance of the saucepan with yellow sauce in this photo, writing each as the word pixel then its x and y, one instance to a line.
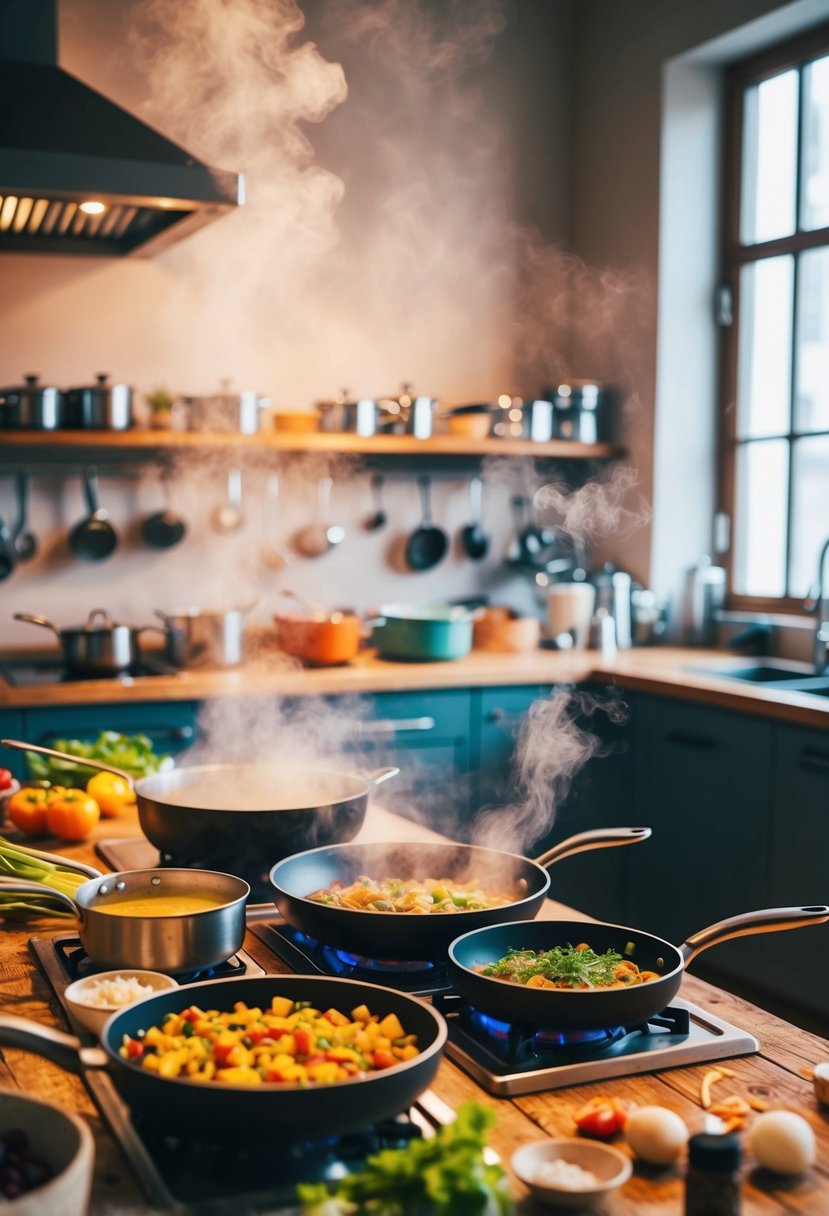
pixel 171 920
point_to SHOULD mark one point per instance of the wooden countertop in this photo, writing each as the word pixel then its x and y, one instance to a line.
pixel 775 1074
pixel 664 671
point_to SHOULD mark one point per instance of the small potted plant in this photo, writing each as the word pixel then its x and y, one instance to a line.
pixel 161 409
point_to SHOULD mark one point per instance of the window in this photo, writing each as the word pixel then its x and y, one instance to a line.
pixel 775 377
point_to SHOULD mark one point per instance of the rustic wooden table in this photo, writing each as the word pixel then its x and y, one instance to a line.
pixel 775 1074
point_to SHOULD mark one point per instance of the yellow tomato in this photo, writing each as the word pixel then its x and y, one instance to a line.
pixel 73 815
pixel 27 811
pixel 111 792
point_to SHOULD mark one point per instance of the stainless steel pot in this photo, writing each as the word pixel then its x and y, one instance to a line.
pixel 238 413
pixel 206 638
pixel 187 941
pixel 32 407
pixel 97 648
pixel 100 406
pixel 349 417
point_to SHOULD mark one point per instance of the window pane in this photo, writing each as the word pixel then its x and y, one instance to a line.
pixel 812 394
pixel 810 510
pixel 764 367
pixel 762 490
pixel 769 159
pixel 815 183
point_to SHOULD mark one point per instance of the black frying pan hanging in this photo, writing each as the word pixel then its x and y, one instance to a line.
pixel 428 543
pixel 592 1009
pixel 218 1112
pixel 94 537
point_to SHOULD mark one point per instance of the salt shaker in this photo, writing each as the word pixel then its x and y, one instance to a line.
pixel 712 1183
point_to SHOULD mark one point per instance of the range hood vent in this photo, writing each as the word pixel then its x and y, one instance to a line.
pixel 79 174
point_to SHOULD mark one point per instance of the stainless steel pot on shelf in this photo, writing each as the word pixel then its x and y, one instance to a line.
pixel 32 406
pixel 100 406
pixel 198 637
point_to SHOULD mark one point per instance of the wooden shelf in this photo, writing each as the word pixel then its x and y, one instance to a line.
pixel 285 441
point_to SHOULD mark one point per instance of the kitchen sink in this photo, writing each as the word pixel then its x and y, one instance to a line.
pixel 759 673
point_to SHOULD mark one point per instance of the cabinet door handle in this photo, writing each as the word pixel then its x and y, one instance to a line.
pixel 814 760
pixel 396 726
pixel 501 715
pixel 702 743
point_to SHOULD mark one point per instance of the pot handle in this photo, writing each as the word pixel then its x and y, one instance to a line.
pixel 17 745
pixel 38 888
pixel 381 774
pixel 65 1050
pixel 96 613
pixel 34 619
pixel 598 838
pixel 768 920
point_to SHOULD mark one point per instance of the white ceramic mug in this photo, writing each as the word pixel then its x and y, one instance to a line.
pixel 570 610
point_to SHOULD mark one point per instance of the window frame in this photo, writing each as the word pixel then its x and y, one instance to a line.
pixel 794 53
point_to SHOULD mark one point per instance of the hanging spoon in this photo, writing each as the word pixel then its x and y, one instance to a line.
pixel 321 535
pixel 473 538
pixel 23 540
pixel 228 517
pixel 378 517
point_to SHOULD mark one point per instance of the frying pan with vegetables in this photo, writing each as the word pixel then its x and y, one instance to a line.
pixel 594 1008
pixel 281 1112
pixel 395 935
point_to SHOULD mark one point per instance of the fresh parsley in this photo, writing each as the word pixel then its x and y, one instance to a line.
pixel 561 965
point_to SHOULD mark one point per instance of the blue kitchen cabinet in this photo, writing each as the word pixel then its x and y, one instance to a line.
pixel 796 965
pixel 702 782
pixel 426 734
pixel 172 725
pixel 11 727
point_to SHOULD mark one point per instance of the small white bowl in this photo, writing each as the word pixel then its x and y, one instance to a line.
pixel 610 1166
pixel 64 1143
pixel 94 1017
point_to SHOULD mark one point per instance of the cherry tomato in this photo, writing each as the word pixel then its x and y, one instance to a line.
pixel 6 779
pixel 72 814
pixel 27 811
pixel 111 792
pixel 603 1118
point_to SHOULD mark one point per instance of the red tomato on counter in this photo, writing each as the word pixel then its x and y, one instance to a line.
pixel 6 779
pixel 603 1118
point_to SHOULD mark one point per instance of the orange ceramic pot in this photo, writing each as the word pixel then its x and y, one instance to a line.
pixel 324 642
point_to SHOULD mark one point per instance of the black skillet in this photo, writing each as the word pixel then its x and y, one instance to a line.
pixel 428 543
pixel 94 537
pixel 396 935
pixel 591 1009
pixel 221 1111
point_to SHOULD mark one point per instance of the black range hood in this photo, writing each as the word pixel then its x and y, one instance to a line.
pixel 79 174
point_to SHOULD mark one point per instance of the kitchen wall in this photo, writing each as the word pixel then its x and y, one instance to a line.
pixel 418 175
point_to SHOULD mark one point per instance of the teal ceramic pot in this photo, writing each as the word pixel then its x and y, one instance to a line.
pixel 415 634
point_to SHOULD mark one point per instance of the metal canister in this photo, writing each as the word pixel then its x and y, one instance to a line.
pixel 576 405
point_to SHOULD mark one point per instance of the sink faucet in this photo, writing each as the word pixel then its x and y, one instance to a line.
pixel 818 602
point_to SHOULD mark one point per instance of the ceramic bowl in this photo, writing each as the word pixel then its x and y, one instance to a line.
pixel 610 1166
pixel 94 1017
pixel 64 1143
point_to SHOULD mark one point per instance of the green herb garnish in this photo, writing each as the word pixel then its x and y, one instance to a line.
pixel 561 965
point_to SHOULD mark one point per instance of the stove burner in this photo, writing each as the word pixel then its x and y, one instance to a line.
pixel 77 964
pixel 387 966
pixel 517 1043
pixel 35 669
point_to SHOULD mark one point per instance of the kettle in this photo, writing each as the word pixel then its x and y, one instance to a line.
pixel 613 595
pixel 704 595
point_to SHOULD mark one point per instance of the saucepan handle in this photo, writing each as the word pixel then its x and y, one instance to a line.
pixel 381 774
pixel 65 1050
pixel 597 838
pixel 768 920
pixel 56 755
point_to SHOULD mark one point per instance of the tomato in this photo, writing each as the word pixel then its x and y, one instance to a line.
pixel 27 811
pixel 603 1118
pixel 71 814
pixel 6 779
pixel 111 792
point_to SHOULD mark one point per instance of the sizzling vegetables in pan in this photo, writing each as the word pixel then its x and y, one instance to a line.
pixel 288 1042
pixel 568 967
pixel 409 896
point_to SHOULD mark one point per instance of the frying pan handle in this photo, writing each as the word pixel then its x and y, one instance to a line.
pixel 598 838
pixel 381 774
pixel 62 1049
pixel 56 755
pixel 38 888
pixel 34 619
pixel 768 920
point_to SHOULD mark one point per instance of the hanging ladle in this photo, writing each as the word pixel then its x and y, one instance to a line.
pixel 321 535
pixel 228 517
pixel 378 517
pixel 23 539
pixel 274 554
pixel 473 538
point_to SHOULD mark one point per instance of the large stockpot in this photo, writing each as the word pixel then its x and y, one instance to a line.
pixel 100 406
pixel 398 936
pixel 31 406
pixel 96 648
pixel 176 944
pixel 251 813
pixel 595 1008
pixel 219 1112
pixel 422 634
pixel 207 638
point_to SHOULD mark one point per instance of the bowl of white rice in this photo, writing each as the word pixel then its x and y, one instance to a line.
pixel 94 999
